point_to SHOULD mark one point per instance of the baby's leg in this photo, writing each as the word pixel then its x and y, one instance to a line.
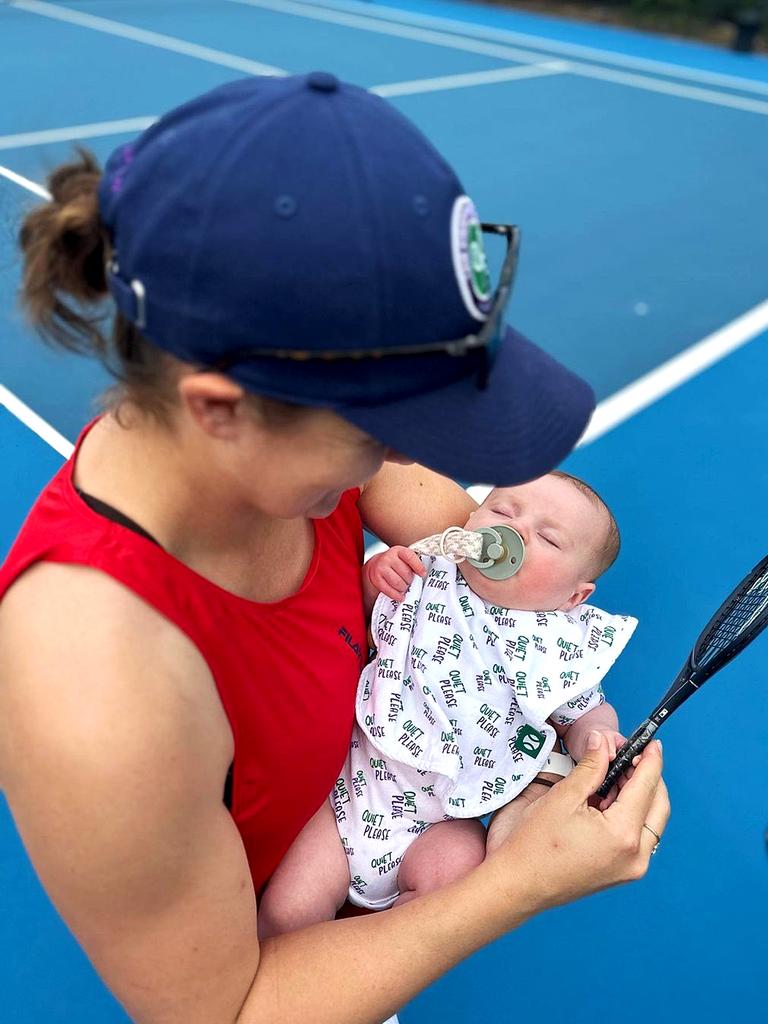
pixel 444 853
pixel 310 883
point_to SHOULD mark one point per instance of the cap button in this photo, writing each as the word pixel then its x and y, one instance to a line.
pixel 322 81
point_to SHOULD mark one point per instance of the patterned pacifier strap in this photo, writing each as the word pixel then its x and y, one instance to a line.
pixel 498 552
pixel 454 544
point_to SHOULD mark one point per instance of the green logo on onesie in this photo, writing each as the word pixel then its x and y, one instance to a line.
pixel 529 740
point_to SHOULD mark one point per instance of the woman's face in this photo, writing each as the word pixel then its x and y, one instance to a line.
pixel 285 466
pixel 305 466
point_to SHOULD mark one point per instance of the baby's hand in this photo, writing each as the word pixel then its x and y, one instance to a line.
pixel 576 740
pixel 615 741
pixel 392 571
pixel 602 719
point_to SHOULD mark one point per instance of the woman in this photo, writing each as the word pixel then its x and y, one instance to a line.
pixel 303 308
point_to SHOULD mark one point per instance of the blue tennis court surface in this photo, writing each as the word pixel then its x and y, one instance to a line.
pixel 637 167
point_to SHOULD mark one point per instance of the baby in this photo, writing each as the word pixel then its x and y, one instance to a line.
pixel 473 683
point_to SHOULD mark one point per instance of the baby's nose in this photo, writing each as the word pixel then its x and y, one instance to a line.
pixel 523 528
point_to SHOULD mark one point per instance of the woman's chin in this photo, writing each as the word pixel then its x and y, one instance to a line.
pixel 324 506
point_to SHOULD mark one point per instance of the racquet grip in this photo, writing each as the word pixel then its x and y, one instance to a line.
pixel 636 743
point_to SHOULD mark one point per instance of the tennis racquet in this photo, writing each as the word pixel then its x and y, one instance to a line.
pixel 735 624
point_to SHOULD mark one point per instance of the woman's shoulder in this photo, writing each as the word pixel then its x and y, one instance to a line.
pixel 51 598
pixel 85 662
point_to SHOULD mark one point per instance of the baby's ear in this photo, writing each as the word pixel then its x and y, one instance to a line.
pixel 583 593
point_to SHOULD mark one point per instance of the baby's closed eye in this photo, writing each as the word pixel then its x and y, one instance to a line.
pixel 549 540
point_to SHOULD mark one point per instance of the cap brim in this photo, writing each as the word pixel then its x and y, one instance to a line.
pixel 527 419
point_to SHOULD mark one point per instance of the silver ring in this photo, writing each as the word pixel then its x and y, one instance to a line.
pixel 658 838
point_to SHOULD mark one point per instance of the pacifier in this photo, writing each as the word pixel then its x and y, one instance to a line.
pixel 502 553
pixel 497 551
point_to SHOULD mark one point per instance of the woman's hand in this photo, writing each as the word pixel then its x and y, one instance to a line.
pixel 577 746
pixel 563 847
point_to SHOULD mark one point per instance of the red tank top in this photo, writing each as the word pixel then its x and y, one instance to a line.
pixel 286 672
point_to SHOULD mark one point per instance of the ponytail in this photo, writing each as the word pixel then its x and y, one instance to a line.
pixel 66 248
pixel 65 252
pixel 64 285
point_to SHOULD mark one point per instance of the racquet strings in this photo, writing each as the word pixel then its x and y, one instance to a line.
pixel 732 628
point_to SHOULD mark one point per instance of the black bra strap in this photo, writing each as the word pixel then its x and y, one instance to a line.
pixel 228 788
pixel 115 515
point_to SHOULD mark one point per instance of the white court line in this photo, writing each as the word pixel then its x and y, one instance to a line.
pixel 676 371
pixel 366 23
pixel 640 394
pixel 688 92
pixel 76 131
pixel 12 402
pixel 419 85
pixel 371 24
pixel 590 53
pixel 140 35
pixel 137 124
pixel 18 179
pixel 36 423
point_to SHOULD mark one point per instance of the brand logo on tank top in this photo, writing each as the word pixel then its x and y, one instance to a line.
pixel 346 636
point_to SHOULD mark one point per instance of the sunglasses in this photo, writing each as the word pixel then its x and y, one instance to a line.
pixel 486 342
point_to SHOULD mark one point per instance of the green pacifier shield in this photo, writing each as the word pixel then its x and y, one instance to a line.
pixel 502 554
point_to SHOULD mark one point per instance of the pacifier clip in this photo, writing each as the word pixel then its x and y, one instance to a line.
pixel 497 551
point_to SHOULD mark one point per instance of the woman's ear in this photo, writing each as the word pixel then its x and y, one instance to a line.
pixel 215 402
pixel 582 593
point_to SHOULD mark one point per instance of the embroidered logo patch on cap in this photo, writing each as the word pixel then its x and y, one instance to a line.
pixel 469 259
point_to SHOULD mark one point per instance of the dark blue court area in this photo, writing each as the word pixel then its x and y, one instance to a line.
pixel 637 167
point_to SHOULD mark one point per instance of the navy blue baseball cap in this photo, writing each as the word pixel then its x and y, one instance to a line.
pixel 304 237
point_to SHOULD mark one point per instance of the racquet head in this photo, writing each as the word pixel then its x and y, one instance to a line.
pixel 735 624
pixel 739 619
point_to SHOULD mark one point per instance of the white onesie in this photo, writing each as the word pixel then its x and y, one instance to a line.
pixel 452 714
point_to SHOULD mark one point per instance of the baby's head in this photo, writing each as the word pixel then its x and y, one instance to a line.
pixel 570 538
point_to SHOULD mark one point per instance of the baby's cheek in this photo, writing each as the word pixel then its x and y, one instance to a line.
pixel 545 578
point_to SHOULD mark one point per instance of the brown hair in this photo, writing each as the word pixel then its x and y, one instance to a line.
pixel 64 291
pixel 608 551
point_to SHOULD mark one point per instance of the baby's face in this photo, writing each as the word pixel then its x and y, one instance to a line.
pixel 561 528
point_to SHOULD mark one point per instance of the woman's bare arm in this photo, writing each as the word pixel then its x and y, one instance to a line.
pixel 113 758
pixel 402 504
pixel 113 762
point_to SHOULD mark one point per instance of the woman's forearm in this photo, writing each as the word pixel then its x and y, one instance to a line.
pixel 361 970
